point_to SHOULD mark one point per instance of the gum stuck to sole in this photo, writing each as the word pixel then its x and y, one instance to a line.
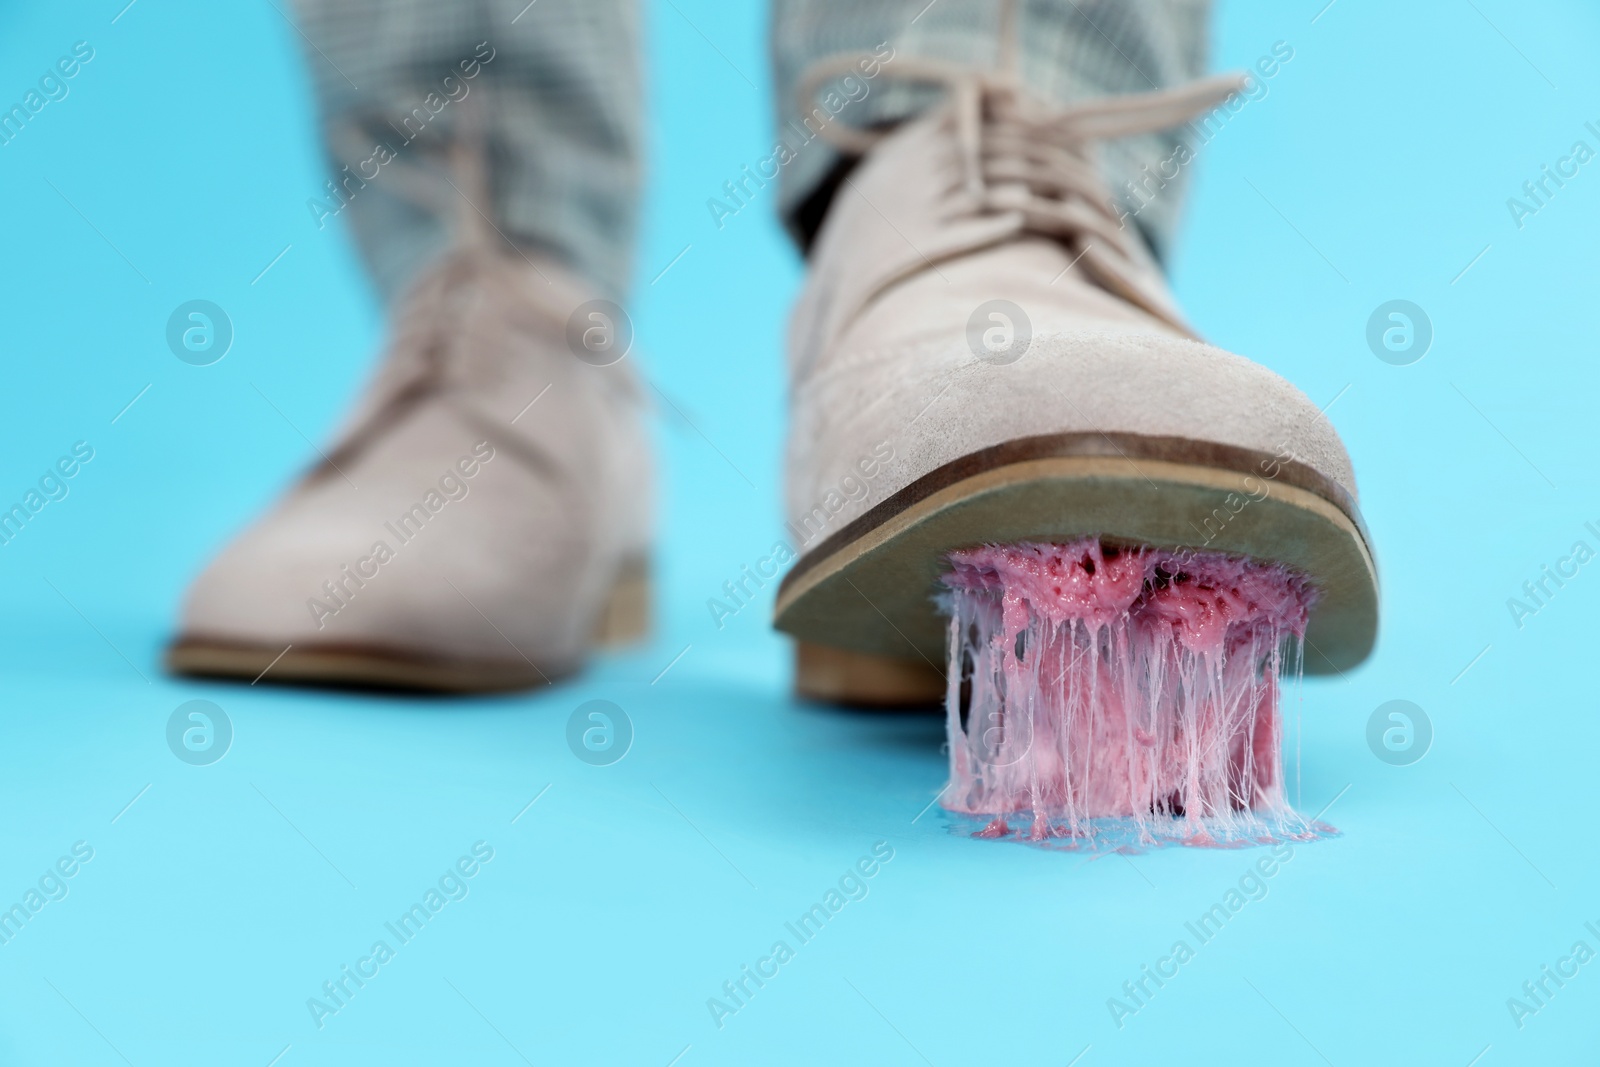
pixel 1112 697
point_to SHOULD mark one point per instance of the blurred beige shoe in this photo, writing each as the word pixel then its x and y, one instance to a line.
pixel 481 522
pixel 985 353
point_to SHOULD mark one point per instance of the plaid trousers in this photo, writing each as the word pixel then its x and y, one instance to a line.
pixel 560 112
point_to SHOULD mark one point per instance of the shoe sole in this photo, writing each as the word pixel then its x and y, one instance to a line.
pixel 625 618
pixel 868 589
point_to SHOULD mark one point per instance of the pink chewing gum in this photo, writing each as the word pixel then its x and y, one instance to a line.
pixel 1121 697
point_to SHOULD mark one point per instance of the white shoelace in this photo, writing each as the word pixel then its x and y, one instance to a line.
pixel 1025 155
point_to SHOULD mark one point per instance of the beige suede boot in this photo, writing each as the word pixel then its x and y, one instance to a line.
pixel 985 353
pixel 482 520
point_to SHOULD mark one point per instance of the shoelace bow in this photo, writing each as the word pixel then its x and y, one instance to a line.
pixel 1019 154
pixel 449 324
pixel 446 335
pixel 1024 155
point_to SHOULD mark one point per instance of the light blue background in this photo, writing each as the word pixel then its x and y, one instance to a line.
pixel 1378 167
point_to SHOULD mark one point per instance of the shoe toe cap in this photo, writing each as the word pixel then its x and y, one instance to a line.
pixel 1096 383
pixel 467 586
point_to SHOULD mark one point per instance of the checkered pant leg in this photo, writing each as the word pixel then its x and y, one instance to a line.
pixel 551 90
pixel 1069 50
